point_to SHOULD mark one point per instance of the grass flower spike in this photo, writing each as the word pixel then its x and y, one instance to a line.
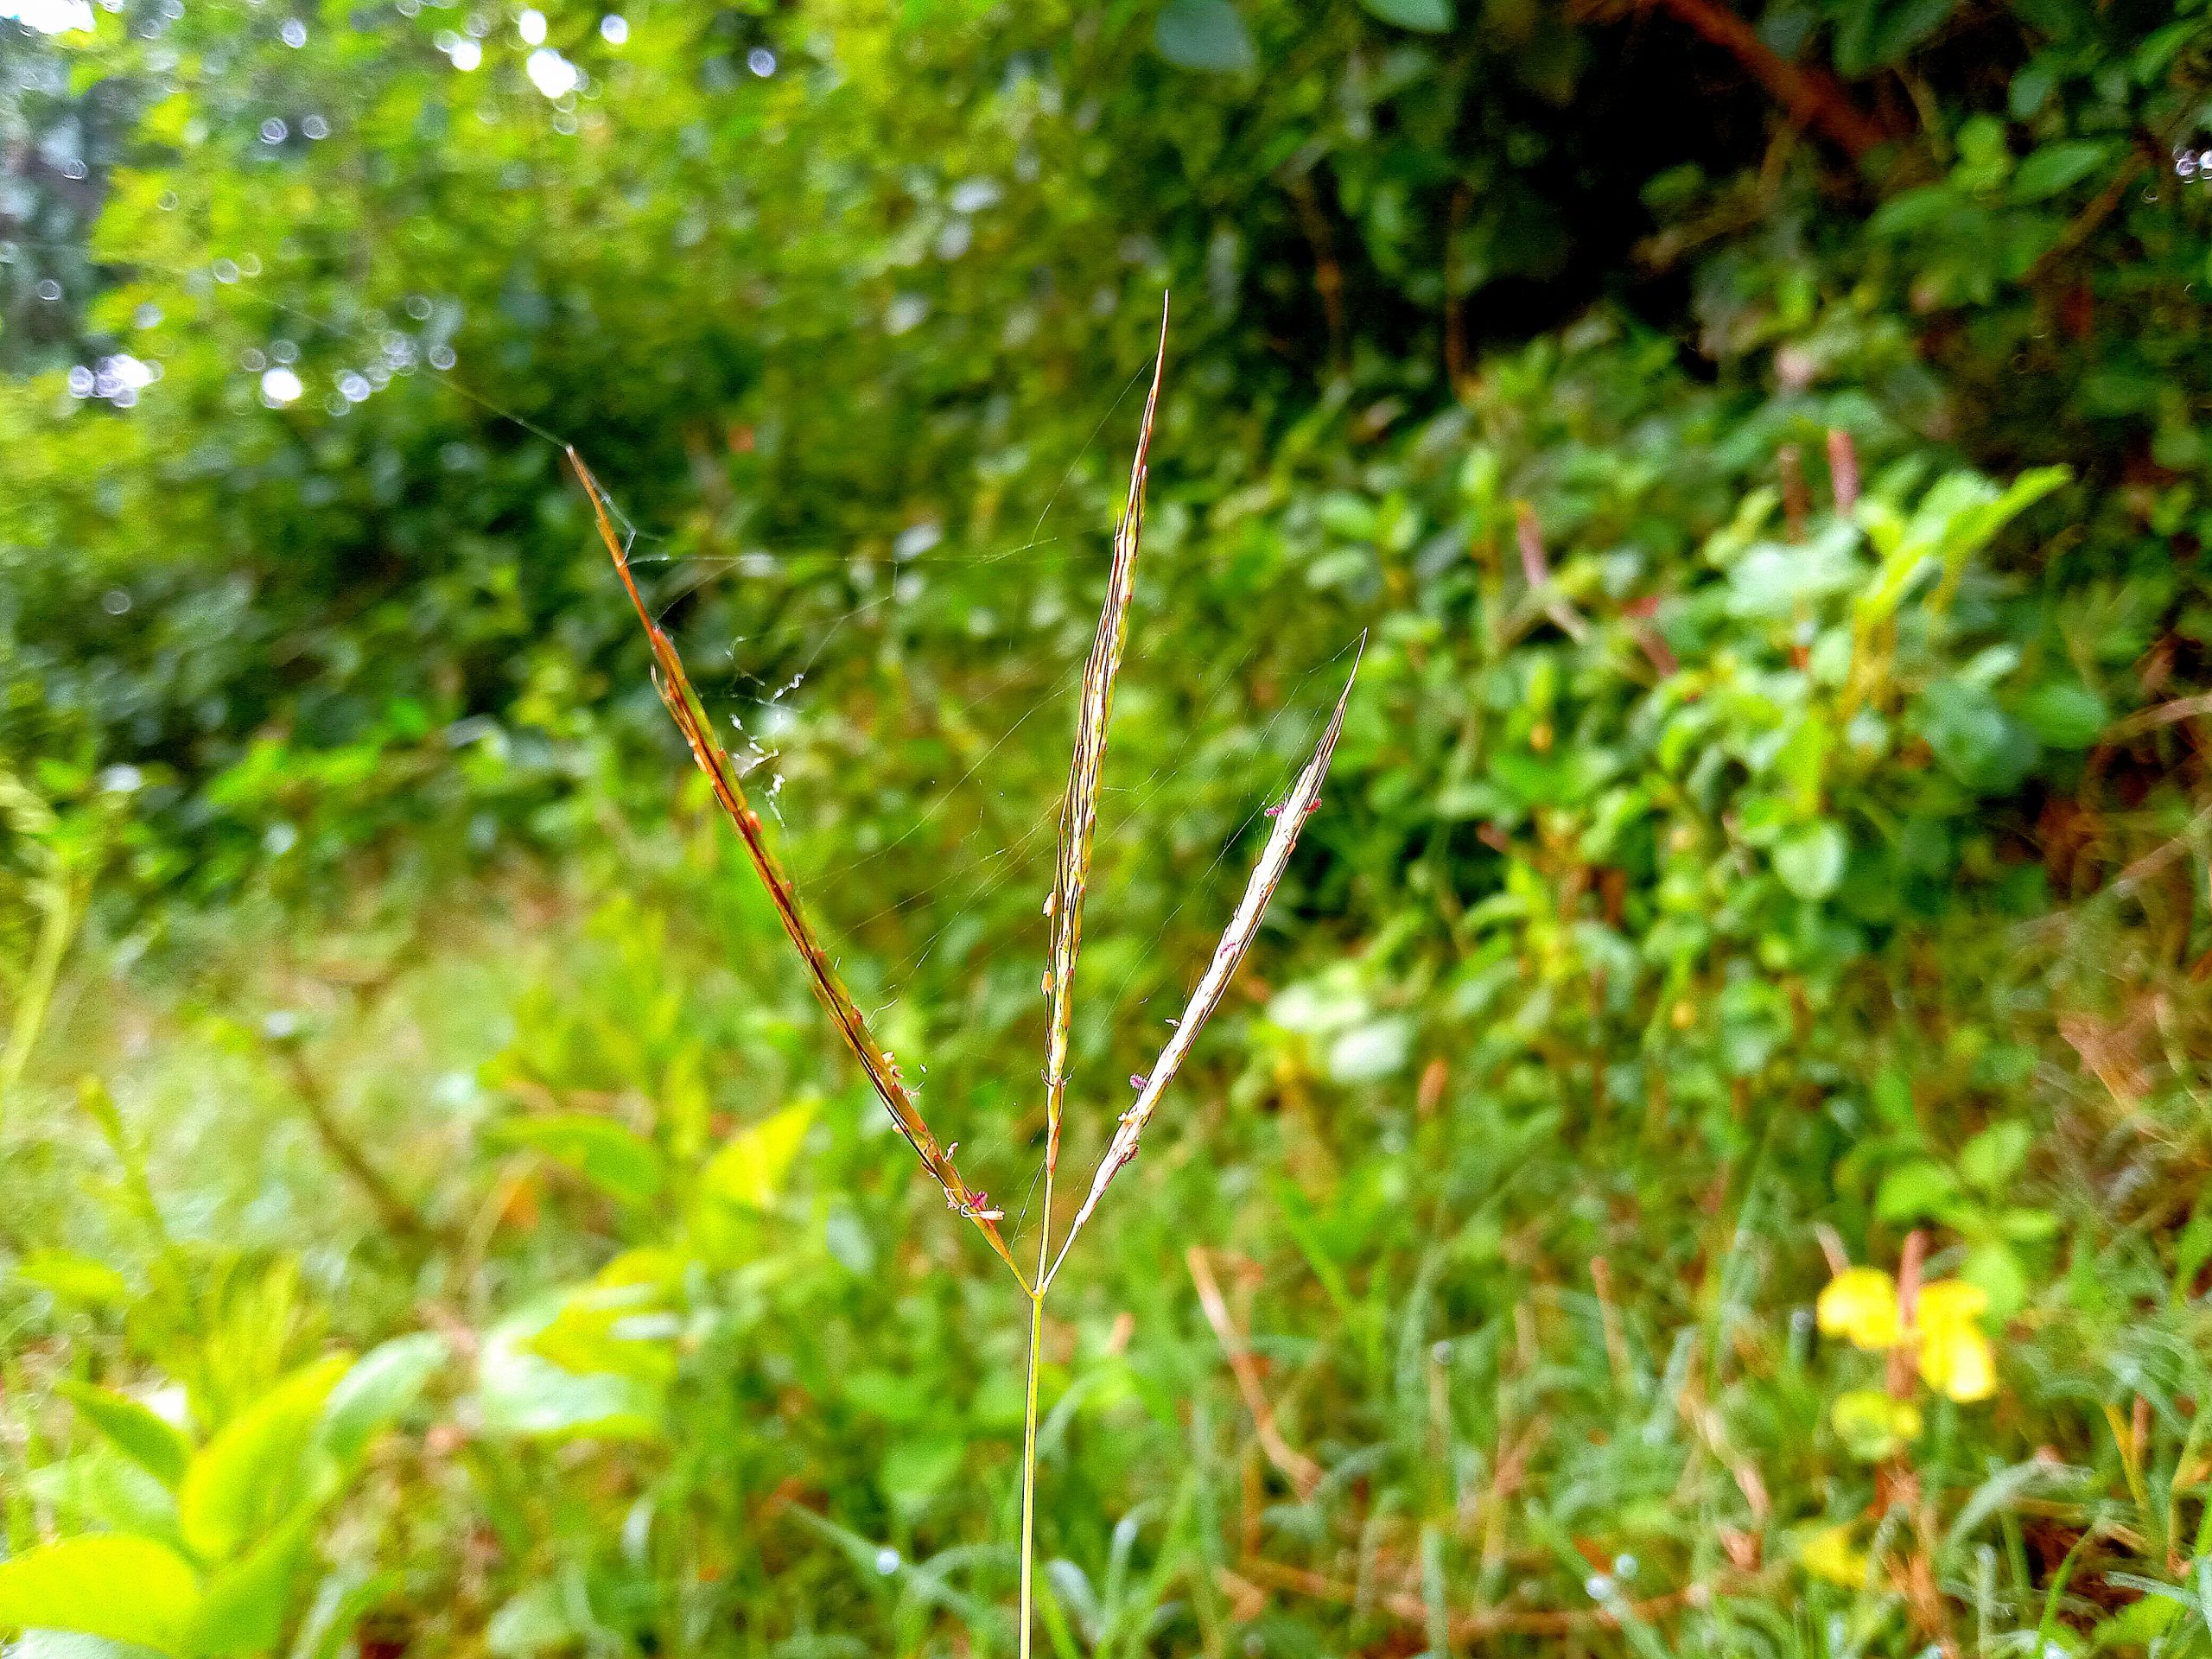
pixel 1079 822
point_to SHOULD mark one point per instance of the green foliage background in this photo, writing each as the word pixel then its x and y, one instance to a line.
pixel 1766 454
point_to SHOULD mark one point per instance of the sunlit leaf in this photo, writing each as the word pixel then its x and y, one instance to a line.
pixel 752 1165
pixel 102 1488
pixel 1917 1191
pixel 1872 1425
pixel 384 1383
pixel 1809 860
pixel 244 1607
pixel 619 1162
pixel 154 1443
pixel 126 1589
pixel 74 1278
pixel 522 1393
pixel 253 1471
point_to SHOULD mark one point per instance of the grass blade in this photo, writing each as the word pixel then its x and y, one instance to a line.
pixel 1079 807
pixel 1236 940
pixel 691 717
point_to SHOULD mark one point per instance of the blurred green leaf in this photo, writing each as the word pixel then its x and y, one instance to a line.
pixel 2050 168
pixel 103 1489
pixel 2065 715
pixel 157 1445
pixel 246 1605
pixel 520 1392
pixel 127 1589
pixel 752 1165
pixel 1993 1157
pixel 1873 1427
pixel 253 1471
pixel 1428 16
pixel 74 1278
pixel 1809 860
pixel 1915 1191
pixel 617 1162
pixel 1203 34
pixel 382 1384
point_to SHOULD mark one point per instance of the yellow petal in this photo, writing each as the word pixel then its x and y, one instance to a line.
pixel 1949 1302
pixel 1830 1554
pixel 1861 1304
pixel 1956 1359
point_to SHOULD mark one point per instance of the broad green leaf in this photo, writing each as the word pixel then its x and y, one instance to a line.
pixel 253 1471
pixel 1872 1425
pixel 102 1488
pixel 612 1329
pixel 1994 1268
pixel 523 1393
pixel 1892 1094
pixel 659 1267
pixel 383 1383
pixel 1203 34
pixel 346 1593
pixel 126 1589
pixel 1428 16
pixel 1916 1191
pixel 2064 714
pixel 2137 1624
pixel 2024 1226
pixel 752 1167
pixel 2054 168
pixel 1369 1053
pixel 157 1445
pixel 535 1620
pixel 914 1471
pixel 1809 860
pixel 74 1278
pixel 1995 1156
pixel 1976 742
pixel 244 1606
pixel 901 1397
pixel 622 1164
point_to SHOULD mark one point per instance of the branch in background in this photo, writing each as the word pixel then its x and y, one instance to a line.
pixel 397 1215
pixel 1529 535
pixel 1455 318
pixel 1843 470
pixel 1796 499
pixel 1476 1626
pixel 1814 98
pixel 1301 1470
pixel 1328 275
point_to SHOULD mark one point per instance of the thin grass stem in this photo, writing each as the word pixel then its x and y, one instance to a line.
pixel 1029 1469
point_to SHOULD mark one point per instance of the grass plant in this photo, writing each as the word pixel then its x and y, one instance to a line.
pixel 1063 908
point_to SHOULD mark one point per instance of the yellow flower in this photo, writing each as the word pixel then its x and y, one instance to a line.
pixel 1830 1554
pixel 1955 1358
pixel 1949 1301
pixel 1861 1303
